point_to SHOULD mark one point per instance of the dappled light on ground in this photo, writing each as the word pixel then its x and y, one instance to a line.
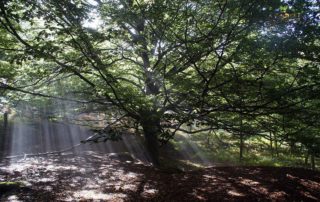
pixel 94 176
pixel 44 169
pixel 67 177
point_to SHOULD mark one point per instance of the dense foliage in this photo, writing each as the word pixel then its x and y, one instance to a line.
pixel 247 67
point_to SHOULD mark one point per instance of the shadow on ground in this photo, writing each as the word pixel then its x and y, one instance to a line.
pixel 94 176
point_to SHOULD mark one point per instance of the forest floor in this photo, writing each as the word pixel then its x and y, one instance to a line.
pixel 94 176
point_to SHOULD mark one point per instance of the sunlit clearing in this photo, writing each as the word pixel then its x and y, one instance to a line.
pixel 92 176
pixel 135 147
pixel 191 151
pixel 43 153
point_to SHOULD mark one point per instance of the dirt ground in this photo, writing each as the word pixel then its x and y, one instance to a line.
pixel 112 177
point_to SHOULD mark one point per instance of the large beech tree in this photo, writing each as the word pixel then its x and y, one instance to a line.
pixel 163 64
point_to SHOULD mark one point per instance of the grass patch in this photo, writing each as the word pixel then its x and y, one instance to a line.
pixel 223 149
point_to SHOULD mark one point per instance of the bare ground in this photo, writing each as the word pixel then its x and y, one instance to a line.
pixel 111 177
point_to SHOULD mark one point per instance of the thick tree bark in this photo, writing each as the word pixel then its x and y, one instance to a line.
pixel 151 130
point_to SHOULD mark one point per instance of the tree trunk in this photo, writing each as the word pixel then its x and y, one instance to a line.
pixel 306 159
pixel 241 147
pixel 151 131
pixel 276 144
pixel 5 122
pixel 3 133
pixel 241 140
pixel 271 144
pixel 313 164
pixel 292 148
